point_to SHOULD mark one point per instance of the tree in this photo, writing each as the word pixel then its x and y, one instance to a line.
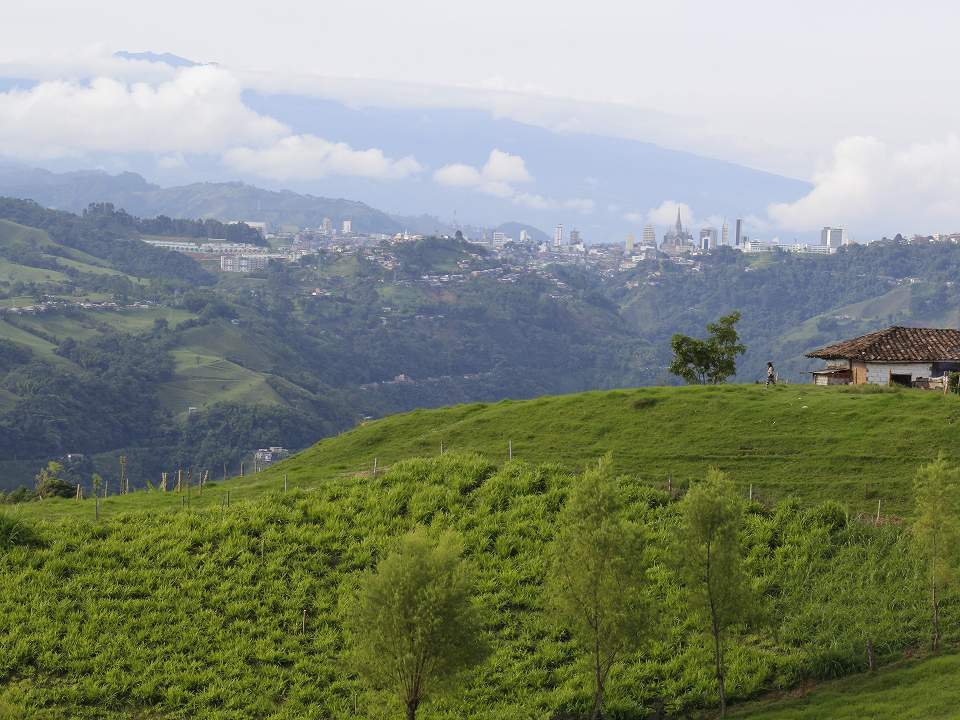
pixel 50 482
pixel 597 576
pixel 413 626
pixel 709 361
pixel 710 560
pixel 936 530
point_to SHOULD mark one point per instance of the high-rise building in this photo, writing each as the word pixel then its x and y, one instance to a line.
pixel 738 235
pixel 708 238
pixel 628 245
pixel 575 237
pixel 725 234
pixel 347 226
pixel 500 238
pixel 524 236
pixel 558 236
pixel 649 236
pixel 327 226
pixel 833 237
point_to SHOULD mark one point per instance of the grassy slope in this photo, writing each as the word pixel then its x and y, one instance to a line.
pixel 817 443
pixel 926 690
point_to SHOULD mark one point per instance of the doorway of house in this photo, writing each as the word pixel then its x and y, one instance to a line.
pixel 902 380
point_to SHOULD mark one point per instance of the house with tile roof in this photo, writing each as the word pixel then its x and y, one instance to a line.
pixel 895 356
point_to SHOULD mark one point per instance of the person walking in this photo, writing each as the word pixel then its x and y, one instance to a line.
pixel 771 375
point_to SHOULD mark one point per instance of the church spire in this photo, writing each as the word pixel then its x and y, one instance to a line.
pixel 679 224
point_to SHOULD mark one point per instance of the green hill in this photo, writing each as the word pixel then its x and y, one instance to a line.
pixel 179 605
pixel 850 444
pixel 926 690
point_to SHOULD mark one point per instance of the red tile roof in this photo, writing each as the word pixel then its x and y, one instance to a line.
pixel 897 344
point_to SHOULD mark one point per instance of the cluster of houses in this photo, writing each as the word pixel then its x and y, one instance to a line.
pixel 906 356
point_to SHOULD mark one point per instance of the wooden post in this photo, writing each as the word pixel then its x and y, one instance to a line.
pixel 179 479
pixel 228 498
pixel 670 484
pixel 303 627
pixel 441 447
pixel 163 482
pixel 79 492
pixel 751 492
pixel 375 466
pixel 241 468
pixel 284 482
pixel 96 512
pixel 510 449
pixel 878 512
pixel 224 472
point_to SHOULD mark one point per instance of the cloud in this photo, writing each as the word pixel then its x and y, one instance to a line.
pixel 666 214
pixel 303 157
pixel 874 188
pixel 200 110
pixel 497 176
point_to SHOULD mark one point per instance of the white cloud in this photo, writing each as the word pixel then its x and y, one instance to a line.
pixel 534 201
pixel 200 110
pixel 497 176
pixel 171 162
pixel 502 167
pixel 302 157
pixel 458 175
pixel 871 187
pixel 666 214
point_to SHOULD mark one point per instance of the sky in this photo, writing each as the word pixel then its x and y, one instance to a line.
pixel 853 96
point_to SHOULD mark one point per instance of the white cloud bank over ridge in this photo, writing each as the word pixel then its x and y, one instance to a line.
pixel 196 110
pixel 873 187
pixel 304 157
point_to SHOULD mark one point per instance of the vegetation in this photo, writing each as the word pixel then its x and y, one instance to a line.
pixel 711 361
pixel 709 556
pixel 597 577
pixel 412 623
pixel 937 532
pixel 199 611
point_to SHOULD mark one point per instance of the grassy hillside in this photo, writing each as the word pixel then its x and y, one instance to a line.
pixel 926 690
pixel 855 445
pixel 201 610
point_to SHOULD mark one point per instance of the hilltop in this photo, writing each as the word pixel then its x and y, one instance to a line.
pixel 201 605
pixel 849 444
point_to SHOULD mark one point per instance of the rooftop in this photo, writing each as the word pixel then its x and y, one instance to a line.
pixel 896 344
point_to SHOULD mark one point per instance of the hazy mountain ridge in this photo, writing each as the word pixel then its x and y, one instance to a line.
pixel 73 191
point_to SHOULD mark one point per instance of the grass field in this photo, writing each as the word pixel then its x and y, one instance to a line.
pixel 922 690
pixel 855 446
pixel 200 380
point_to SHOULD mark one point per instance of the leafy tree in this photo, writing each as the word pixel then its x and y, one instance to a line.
pixel 50 482
pixel 413 626
pixel 598 575
pixel 712 360
pixel 936 530
pixel 711 562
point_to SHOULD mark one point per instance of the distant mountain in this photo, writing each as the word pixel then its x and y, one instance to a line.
pixel 424 225
pixel 73 191
pixel 512 229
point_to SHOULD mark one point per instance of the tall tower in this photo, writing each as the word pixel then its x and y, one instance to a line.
pixel 738 237
pixel 628 245
pixel 725 233
pixel 558 236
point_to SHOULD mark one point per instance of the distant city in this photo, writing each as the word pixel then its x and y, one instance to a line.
pixel 678 244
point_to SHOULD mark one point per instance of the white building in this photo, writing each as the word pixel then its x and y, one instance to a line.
pixel 628 245
pixel 649 236
pixel 833 237
pixel 724 234
pixel 558 236
pixel 708 238
pixel 246 263
pixel 347 227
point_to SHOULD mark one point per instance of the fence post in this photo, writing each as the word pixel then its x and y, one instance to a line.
pixel 510 449
pixel 751 492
